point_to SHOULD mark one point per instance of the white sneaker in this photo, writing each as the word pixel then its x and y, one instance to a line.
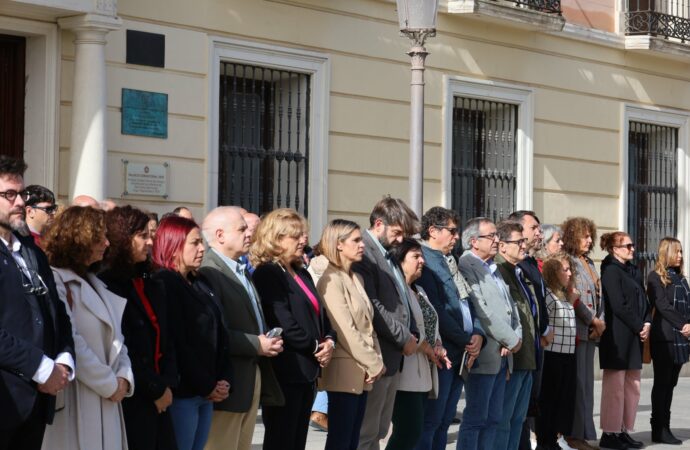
pixel 562 443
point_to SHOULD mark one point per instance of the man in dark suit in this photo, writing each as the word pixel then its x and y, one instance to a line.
pixel 395 328
pixel 531 231
pixel 228 237
pixel 36 346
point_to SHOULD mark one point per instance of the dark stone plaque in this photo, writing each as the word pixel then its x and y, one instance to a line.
pixel 146 49
pixel 144 113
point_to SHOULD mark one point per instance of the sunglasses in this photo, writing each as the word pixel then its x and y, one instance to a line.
pixel 10 195
pixel 46 209
pixel 451 230
pixel 629 246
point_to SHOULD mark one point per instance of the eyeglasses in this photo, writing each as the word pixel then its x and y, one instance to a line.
pixel 519 242
pixel 32 283
pixel 10 195
pixel 629 246
pixel 451 230
pixel 490 236
pixel 46 209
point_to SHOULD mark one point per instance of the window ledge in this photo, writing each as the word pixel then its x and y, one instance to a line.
pixel 501 11
pixel 675 50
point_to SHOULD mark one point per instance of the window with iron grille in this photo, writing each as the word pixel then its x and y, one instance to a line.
pixel 652 188
pixel 264 138
pixel 484 158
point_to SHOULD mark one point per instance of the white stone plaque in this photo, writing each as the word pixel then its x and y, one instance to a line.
pixel 146 179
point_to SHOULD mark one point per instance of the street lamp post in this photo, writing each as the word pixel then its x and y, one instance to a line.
pixel 417 21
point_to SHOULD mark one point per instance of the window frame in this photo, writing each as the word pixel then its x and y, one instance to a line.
pixel 523 97
pixel 664 117
pixel 318 66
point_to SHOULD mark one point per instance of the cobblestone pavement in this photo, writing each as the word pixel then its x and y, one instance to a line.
pixel 680 421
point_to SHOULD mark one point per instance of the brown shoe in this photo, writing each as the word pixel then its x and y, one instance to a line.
pixel 319 421
pixel 580 444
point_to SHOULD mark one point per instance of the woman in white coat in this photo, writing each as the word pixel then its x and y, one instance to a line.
pixel 418 377
pixel 89 414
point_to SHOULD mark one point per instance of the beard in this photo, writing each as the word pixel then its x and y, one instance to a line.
pixel 15 220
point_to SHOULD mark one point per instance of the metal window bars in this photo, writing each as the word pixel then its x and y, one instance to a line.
pixel 652 189
pixel 484 158
pixel 264 138
pixel 545 6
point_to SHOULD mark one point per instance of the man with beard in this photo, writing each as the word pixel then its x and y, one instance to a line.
pixel 36 346
pixel 395 328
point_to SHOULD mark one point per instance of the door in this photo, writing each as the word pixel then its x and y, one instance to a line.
pixel 12 87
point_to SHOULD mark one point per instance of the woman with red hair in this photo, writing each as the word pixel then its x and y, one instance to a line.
pixel 201 342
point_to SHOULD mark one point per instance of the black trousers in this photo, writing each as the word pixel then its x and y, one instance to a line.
pixel 345 415
pixel 29 435
pixel 665 380
pixel 287 426
pixel 557 398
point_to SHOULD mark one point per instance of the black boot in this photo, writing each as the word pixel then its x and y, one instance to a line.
pixel 612 441
pixel 661 433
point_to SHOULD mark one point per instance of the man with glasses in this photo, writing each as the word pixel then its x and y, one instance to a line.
pixel 498 315
pixel 36 346
pixel 512 249
pixel 461 334
pixel 40 210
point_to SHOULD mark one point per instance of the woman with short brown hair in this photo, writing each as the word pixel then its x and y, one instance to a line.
pixel 92 417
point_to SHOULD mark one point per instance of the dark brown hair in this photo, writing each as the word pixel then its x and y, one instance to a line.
pixel 123 223
pixel 70 238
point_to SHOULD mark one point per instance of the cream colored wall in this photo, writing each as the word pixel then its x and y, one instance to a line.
pixel 579 89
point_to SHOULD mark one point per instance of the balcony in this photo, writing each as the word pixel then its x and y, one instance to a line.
pixel 542 15
pixel 662 25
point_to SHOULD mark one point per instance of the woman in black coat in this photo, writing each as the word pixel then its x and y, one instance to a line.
pixel 146 329
pixel 290 301
pixel 628 322
pixel 201 342
pixel 669 294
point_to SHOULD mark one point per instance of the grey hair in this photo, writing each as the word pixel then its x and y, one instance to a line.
pixel 547 231
pixel 471 231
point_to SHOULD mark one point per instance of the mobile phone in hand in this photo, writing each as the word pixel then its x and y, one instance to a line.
pixel 275 332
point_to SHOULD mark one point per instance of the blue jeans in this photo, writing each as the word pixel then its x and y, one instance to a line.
pixel 483 409
pixel 320 403
pixel 191 419
pixel 515 404
pixel 439 412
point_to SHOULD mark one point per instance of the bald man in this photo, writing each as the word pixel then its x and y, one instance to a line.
pixel 252 222
pixel 228 237
pixel 86 200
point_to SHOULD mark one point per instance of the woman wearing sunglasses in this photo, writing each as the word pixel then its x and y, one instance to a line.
pixel 628 321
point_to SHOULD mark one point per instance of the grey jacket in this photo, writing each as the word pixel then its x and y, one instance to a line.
pixel 500 320
pixel 393 321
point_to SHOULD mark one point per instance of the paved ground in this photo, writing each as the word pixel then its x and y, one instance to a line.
pixel 680 422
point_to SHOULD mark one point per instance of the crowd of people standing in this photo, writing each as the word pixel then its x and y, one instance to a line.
pixel 121 332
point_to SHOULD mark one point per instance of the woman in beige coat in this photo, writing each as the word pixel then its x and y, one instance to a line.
pixel 357 361
pixel 89 413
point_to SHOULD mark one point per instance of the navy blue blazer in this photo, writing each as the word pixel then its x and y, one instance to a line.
pixel 438 283
pixel 19 358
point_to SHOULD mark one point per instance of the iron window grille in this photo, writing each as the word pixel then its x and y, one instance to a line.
pixel 666 18
pixel 545 6
pixel 264 138
pixel 484 158
pixel 652 189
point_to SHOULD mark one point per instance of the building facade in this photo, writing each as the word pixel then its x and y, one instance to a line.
pixel 565 107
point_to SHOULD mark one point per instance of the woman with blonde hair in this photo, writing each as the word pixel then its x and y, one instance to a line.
pixel 669 295
pixel 291 302
pixel 628 322
pixel 357 361
pixel 90 416
pixel 557 396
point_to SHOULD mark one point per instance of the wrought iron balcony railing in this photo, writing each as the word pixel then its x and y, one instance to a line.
pixel 545 6
pixel 663 18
